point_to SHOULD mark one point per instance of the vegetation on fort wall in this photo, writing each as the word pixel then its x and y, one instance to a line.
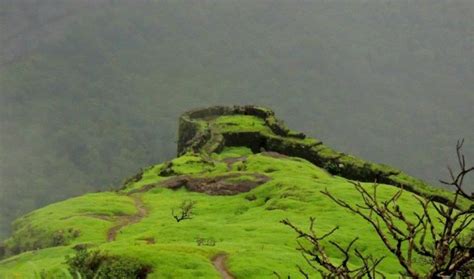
pixel 248 126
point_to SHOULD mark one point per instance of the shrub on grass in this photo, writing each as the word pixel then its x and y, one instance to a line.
pixel 332 168
pixel 202 241
pixel 36 238
pixel 96 264
pixel 184 212
pixel 2 250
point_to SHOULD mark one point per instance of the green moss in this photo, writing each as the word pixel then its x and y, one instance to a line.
pixel 194 164
pixel 384 169
pixel 233 152
pixel 239 123
pixel 326 153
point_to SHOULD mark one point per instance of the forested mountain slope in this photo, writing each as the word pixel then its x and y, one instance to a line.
pixel 94 90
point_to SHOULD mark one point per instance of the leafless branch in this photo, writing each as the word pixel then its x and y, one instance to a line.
pixel 316 256
pixel 184 212
pixel 435 237
pixel 437 234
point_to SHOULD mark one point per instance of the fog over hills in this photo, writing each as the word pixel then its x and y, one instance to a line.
pixel 90 91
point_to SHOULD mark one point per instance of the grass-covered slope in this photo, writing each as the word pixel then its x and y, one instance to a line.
pixel 240 196
pixel 94 89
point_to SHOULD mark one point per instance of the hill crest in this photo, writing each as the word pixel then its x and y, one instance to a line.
pixel 210 130
pixel 242 171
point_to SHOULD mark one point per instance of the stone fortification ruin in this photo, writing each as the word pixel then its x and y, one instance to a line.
pixel 199 134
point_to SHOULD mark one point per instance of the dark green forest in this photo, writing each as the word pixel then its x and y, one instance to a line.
pixel 90 91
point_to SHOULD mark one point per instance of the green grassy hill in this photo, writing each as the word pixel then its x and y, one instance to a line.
pixel 90 90
pixel 242 186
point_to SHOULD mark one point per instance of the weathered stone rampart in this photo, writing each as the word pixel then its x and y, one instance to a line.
pixel 197 135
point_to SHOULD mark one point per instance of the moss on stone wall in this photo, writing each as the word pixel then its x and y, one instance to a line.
pixel 199 132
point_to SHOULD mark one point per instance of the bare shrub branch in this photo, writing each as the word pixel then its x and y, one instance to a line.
pixel 314 253
pixel 404 238
pixel 184 212
pixel 438 235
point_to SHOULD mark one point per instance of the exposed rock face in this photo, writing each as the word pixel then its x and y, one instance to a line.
pixel 230 184
pixel 198 135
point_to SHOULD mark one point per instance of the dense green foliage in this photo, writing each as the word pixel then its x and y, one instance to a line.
pixel 86 264
pixel 97 92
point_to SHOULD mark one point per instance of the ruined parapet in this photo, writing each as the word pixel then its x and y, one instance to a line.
pixel 198 134
pixel 194 131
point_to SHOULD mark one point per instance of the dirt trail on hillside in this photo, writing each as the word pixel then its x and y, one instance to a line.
pixel 127 220
pixel 219 263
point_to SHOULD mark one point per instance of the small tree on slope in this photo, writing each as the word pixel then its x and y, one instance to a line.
pixel 441 240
